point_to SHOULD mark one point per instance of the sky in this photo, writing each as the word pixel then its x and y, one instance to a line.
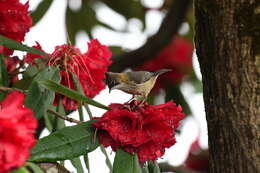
pixel 50 31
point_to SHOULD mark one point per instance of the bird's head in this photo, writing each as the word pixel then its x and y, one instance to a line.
pixel 112 80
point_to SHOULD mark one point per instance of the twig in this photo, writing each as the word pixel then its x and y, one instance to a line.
pixel 88 111
pixel 2 88
pixel 157 42
pixel 53 167
pixel 64 117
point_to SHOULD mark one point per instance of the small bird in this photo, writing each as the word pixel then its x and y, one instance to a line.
pixel 134 82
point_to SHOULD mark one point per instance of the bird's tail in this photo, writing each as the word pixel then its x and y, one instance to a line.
pixel 161 71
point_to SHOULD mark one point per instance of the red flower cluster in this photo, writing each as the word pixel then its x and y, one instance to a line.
pixel 176 56
pixel 29 58
pixel 198 158
pixel 146 130
pixel 17 125
pixel 15 21
pixel 89 67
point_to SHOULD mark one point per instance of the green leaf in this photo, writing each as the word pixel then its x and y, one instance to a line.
pixel 21 170
pixel 153 167
pixel 40 11
pixel 58 122
pixel 14 45
pixel 49 119
pixel 3 76
pixel 65 144
pixel 84 19
pixel 35 168
pixel 54 86
pixel 38 98
pixel 86 161
pixel 127 8
pixel 126 163
pixel 108 162
pixel 24 83
pixel 145 169
pixel 3 72
pixel 116 50
pixel 76 162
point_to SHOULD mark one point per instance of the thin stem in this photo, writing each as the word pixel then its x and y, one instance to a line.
pixel 2 88
pixel 88 111
pixel 86 160
pixel 64 117
pixel 81 117
pixel 108 162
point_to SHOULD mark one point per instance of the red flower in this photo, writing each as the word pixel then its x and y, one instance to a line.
pixel 17 126
pixel 15 21
pixel 176 56
pixel 198 158
pixel 29 57
pixel 146 130
pixel 89 67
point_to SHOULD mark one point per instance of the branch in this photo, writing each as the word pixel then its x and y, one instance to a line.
pixel 64 117
pixel 53 167
pixel 157 42
pixel 6 89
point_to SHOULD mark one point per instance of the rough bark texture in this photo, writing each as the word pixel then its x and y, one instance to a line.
pixel 227 42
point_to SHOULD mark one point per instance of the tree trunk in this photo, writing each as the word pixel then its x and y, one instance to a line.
pixel 227 43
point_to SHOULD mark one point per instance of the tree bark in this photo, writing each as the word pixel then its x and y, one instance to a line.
pixel 227 43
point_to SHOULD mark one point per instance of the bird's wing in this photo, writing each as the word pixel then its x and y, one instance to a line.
pixel 139 77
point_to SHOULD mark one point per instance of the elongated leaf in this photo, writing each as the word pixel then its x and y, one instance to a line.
pixel 3 76
pixel 86 161
pixel 21 170
pixel 126 163
pixel 145 169
pixel 40 10
pixel 59 123
pixel 153 167
pixel 76 162
pixel 65 144
pixel 84 19
pixel 14 45
pixel 39 98
pixel 108 162
pixel 3 72
pixel 127 8
pixel 54 86
pixel 35 168
pixel 53 168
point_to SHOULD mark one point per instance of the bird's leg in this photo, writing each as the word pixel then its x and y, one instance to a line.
pixel 143 101
pixel 131 99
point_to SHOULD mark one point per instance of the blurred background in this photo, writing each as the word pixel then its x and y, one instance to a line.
pixel 124 26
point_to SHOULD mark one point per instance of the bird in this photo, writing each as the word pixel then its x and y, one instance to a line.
pixel 137 83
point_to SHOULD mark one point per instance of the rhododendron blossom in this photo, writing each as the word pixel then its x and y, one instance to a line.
pixel 29 58
pixel 17 126
pixel 176 56
pixel 89 67
pixel 146 130
pixel 15 21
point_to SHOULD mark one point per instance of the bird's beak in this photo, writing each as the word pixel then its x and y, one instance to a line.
pixel 159 72
pixel 109 90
